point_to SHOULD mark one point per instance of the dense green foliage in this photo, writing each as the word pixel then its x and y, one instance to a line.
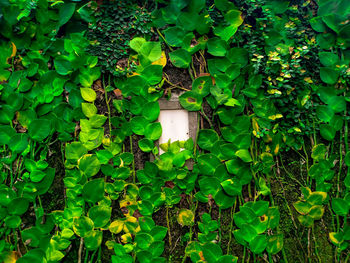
pixel 80 84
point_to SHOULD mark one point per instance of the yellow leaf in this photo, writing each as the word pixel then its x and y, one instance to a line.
pixel 126 238
pixel 14 50
pixel 116 226
pixel 185 217
pixel 11 257
pixel 333 237
pixel 161 61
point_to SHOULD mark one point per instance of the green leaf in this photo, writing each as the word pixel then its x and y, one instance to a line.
pixel 180 58
pixel 151 111
pixel 316 212
pixel 37 175
pixel 327 132
pixel 39 129
pixel 63 66
pixel 153 131
pixel 244 155
pixel 274 244
pixel 217 47
pixel 347 159
pixel 18 142
pixel 65 13
pixel 97 120
pixel 136 43
pixel 174 36
pixel 93 190
pixel 82 226
pixel 207 138
pixel 93 240
pixel 75 150
pixel 13 221
pixel 324 113
pixel 208 163
pixel 258 244
pixel 190 101
pixel 329 75
pixel 88 94
pixel 151 51
pixel 18 206
pixel 138 125
pixel 89 164
pixel 146 145
pixel 88 109
pixel 232 187
pixel 234 17
pixel 318 152
pixel 100 215
pixel 340 206
pixel 328 59
pixel 337 103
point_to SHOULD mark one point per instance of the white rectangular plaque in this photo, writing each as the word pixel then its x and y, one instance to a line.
pixel 175 126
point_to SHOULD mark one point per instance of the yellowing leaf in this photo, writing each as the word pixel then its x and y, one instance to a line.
pixel 126 238
pixel 11 257
pixel 116 226
pixel 255 125
pixel 88 94
pixel 334 237
pixel 161 61
pixel 14 50
pixel 185 217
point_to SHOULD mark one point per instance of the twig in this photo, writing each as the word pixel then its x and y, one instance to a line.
pixel 80 249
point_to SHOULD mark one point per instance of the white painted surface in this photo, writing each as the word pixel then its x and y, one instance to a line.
pixel 175 126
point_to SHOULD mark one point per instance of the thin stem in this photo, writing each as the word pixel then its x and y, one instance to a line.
pixel 206 117
pixel 168 225
pixel 233 208
pixel 133 162
pixel 166 42
pixel 80 249
pixel 316 246
pixel 107 102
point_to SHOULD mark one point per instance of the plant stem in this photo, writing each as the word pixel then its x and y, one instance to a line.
pixel 207 119
pixel 168 225
pixel 166 42
pixel 316 246
pixel 133 162
pixel 80 249
pixel 107 102
pixel 233 208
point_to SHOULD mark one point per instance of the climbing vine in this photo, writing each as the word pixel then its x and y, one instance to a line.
pixel 266 177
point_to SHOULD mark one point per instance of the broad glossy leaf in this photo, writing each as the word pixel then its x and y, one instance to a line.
pixel 39 129
pixel 258 244
pixel 136 43
pixel 89 109
pixel 100 215
pixel 93 190
pixel 89 164
pixel 207 138
pixel 180 58
pixel 329 75
pixel 327 132
pixel 217 47
pixel 153 131
pixel 190 101
pixel 340 206
pixel 274 244
pixel 88 94
pixel 146 145
pixel 151 111
pixel 18 142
